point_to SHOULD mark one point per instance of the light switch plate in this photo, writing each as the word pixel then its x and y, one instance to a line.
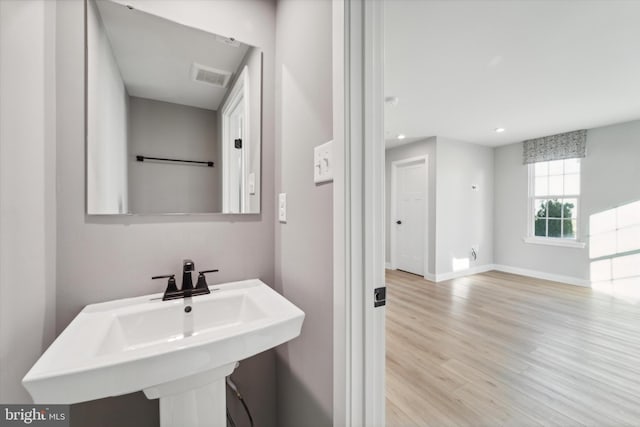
pixel 323 163
pixel 282 207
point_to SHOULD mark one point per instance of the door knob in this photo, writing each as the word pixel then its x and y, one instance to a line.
pixel 399 222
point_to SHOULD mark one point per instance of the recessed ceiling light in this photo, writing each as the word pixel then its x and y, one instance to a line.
pixel 499 130
pixel 402 136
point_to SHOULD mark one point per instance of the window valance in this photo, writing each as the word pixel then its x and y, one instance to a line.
pixel 569 145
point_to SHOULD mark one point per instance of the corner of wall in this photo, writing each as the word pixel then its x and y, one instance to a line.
pixel 27 189
pixel 304 244
pixel 464 206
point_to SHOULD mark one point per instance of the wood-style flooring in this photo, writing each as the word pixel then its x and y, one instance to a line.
pixel 497 349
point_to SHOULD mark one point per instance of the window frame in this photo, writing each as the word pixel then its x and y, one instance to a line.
pixel 572 242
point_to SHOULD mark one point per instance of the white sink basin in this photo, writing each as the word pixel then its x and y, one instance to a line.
pixel 147 344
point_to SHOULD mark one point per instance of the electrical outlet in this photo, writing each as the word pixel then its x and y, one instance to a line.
pixel 475 252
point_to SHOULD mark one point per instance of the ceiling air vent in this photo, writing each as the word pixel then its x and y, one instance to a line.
pixel 210 76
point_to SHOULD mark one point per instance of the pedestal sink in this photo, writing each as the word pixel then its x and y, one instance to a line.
pixel 178 351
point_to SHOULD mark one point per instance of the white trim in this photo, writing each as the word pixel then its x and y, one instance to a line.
pixel 359 330
pixel 567 280
pixel 394 205
pixel 239 93
pixel 355 285
pixel 387 266
pixel 247 142
pixel 551 241
pixel 542 275
pixel 430 277
pixel 530 206
pixel 348 317
pixel 463 273
pixel 359 348
pixel 373 218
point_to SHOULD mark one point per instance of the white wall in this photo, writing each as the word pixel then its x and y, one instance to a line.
pixel 609 178
pixel 107 116
pixel 464 217
pixel 459 217
pixel 27 189
pixel 414 149
pixel 304 245
pixel 106 258
pixel 163 129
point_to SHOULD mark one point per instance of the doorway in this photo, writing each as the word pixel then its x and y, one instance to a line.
pixel 235 146
pixel 408 227
pixel 235 160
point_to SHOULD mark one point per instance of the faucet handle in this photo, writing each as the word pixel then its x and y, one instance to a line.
pixel 202 281
pixel 171 284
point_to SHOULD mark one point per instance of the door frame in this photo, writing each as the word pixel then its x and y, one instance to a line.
pixel 239 93
pixel 393 211
pixel 359 210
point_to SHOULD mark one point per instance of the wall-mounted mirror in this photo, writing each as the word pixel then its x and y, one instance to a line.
pixel 173 116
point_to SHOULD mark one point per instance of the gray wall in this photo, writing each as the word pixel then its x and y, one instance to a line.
pixel 27 190
pixel 609 178
pixel 304 245
pixel 163 129
pixel 106 258
pixel 414 149
pixel 464 217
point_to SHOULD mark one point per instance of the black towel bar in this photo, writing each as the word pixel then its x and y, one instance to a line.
pixel 143 158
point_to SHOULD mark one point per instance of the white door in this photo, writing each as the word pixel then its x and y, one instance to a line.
pixel 409 219
pixel 235 146
pixel 235 159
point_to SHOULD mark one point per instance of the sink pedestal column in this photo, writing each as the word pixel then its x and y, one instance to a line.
pixel 201 407
pixel 194 401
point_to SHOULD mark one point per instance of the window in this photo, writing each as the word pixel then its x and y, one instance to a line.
pixel 554 199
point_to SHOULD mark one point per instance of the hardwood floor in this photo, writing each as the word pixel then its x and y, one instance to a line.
pixel 500 349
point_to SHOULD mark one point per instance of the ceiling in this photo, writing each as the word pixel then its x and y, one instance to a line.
pixel 461 69
pixel 155 56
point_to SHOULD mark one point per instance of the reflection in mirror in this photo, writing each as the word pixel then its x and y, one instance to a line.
pixel 173 116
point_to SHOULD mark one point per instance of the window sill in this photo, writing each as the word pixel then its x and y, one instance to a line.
pixel 555 242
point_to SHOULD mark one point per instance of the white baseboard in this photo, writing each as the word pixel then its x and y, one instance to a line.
pixel 575 281
pixel 542 275
pixel 569 280
pixel 462 273
pixel 387 265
